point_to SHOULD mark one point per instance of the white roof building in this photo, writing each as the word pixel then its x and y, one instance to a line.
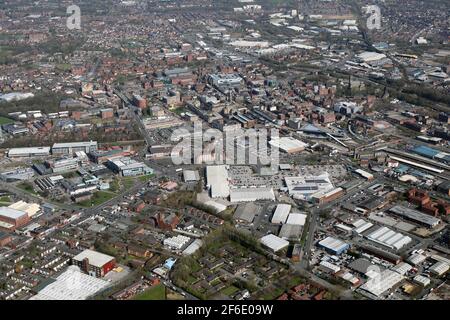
pixel 281 213
pixel 274 243
pixel 296 219
pixel 29 152
pixel 329 267
pixel 72 284
pixel 439 268
pixel 402 268
pixel 288 144
pixel 389 238
pixel 417 258
pixel 383 282
pixel 30 208
pixel 422 280
pixel 96 259
pixel 217 181
pixel 251 194
pixel 303 187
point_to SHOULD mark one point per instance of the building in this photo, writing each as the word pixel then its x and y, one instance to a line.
pixel 30 209
pixel 128 167
pixel 297 219
pixel 347 108
pixel 388 238
pixel 217 181
pixel 11 219
pixel 304 187
pixel 29 152
pixel 383 282
pixel 246 212
pixel 333 245
pixel 5 239
pixel 139 102
pixel 329 267
pixel 107 113
pixel 288 144
pixel 71 148
pixel 281 213
pixel 63 164
pixel 94 263
pixel 176 243
pixel 222 79
pixel 274 243
pixel 415 216
pixel 325 196
pixel 251 194
pixel 72 284
pixel 439 268
pixel 191 176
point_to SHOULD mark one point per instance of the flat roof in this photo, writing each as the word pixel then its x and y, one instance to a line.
pixel 281 213
pixel 415 215
pixel 96 259
pixel 31 150
pixel 72 284
pixel 217 179
pixel 75 144
pixel 251 194
pixel 297 219
pixel 333 244
pixel 11 213
pixel 274 243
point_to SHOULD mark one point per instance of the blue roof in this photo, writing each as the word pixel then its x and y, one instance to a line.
pixel 425 151
pixel 169 263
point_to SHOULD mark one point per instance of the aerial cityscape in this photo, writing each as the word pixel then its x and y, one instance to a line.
pixel 224 150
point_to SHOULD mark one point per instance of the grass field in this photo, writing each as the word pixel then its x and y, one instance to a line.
pixel 228 291
pixel 26 186
pixel 157 292
pixel 4 120
pixel 97 199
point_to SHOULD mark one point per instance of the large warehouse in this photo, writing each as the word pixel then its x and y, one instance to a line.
pixel 29 152
pixel 389 238
pixel 304 187
pixel 281 213
pixel 72 284
pixel 415 216
pixel 288 144
pixel 274 243
pixel 94 263
pixel 380 284
pixel 333 245
pixel 11 219
pixel 251 194
pixel 217 181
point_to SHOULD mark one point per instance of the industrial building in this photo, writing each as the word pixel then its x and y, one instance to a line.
pixel 72 284
pixel 274 243
pixel 288 144
pixel 246 212
pixel 217 181
pixel 281 213
pixel 361 226
pixel 251 194
pixel 382 283
pixel 415 216
pixel 11 219
pixel 304 187
pixel 296 219
pixel 177 242
pixel 333 245
pixel 325 196
pixel 128 167
pixel 94 263
pixel 71 148
pixel 389 238
pixel 191 176
pixel 29 152
pixel 439 268
pixel 290 231
pixel 30 209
